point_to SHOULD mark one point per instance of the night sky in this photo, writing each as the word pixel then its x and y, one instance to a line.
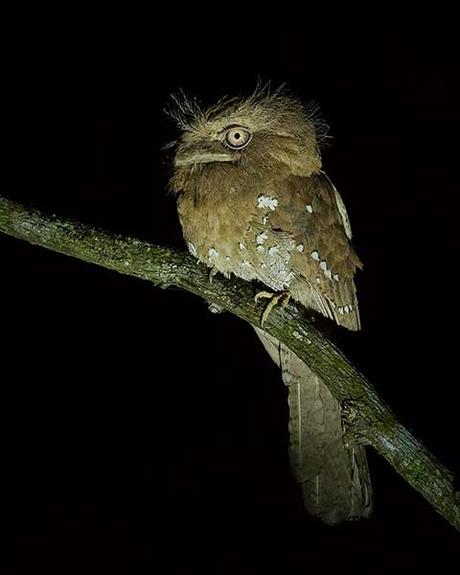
pixel 142 434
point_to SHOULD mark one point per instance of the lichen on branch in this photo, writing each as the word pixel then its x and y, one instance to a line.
pixel 374 422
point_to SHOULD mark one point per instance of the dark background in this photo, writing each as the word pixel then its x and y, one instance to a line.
pixel 143 434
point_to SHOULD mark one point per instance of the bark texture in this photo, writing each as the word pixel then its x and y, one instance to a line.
pixel 371 421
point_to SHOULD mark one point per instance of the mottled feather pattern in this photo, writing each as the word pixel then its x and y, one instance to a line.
pixel 334 477
pixel 265 210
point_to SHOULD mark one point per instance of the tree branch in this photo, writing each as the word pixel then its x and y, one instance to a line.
pixel 372 420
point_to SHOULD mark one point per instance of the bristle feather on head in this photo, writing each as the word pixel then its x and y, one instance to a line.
pixel 272 110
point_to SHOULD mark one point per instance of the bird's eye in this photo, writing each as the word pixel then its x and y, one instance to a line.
pixel 237 137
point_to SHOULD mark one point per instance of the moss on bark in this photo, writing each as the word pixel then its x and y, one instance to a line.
pixel 371 420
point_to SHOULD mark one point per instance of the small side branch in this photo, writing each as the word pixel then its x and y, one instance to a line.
pixel 375 422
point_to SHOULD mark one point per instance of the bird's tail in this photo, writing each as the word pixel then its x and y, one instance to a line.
pixel 334 478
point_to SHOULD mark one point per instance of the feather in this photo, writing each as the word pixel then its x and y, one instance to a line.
pixel 334 478
pixel 267 212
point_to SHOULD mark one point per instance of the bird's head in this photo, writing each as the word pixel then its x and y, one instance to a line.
pixel 267 130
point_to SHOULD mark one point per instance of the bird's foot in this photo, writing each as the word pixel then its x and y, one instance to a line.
pixel 281 299
pixel 212 273
pixel 215 308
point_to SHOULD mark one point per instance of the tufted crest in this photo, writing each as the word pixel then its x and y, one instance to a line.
pixel 271 111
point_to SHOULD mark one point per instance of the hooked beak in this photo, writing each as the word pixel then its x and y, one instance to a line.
pixel 202 154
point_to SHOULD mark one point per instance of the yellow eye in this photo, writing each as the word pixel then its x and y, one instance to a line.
pixel 237 137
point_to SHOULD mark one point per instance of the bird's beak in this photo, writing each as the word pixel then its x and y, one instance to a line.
pixel 189 154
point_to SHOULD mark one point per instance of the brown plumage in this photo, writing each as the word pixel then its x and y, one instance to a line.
pixel 253 201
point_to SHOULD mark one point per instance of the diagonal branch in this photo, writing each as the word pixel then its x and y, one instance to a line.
pixel 373 421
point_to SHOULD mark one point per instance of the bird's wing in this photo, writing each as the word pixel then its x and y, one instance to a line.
pixel 324 263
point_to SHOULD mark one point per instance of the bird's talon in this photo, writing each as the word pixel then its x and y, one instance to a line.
pixel 214 308
pixel 263 295
pixel 281 299
pixel 212 273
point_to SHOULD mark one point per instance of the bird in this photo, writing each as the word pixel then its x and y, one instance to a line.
pixel 253 200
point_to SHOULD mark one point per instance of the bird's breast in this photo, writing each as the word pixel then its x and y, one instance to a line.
pixel 228 228
pixel 216 226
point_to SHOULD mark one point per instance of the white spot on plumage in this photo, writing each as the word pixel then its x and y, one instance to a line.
pixel 260 249
pixel 336 277
pixel 227 258
pixel 191 248
pixel 315 256
pixel 246 264
pixel 299 248
pixel 309 208
pixel 242 246
pixel 213 253
pixel 328 274
pixel 269 202
pixel 346 309
pixel 278 274
pixel 323 266
pixel 260 238
pixel 341 310
pixel 318 280
pixel 264 220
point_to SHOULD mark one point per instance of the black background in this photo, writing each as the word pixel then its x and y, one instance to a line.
pixel 143 434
